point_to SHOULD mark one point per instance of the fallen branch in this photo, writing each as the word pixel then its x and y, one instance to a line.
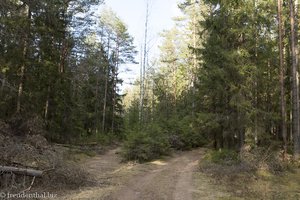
pixel 23 171
pixel 29 188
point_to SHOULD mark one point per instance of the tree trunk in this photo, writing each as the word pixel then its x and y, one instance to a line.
pixel 256 74
pixel 141 87
pixel 175 84
pixel 104 101
pixel 63 56
pixel 282 74
pixel 114 86
pixel 143 66
pixel 113 98
pixel 96 103
pixel 3 81
pixel 24 54
pixel 194 59
pixel 23 171
pixel 106 88
pixel 295 83
pixel 47 103
pixel 113 107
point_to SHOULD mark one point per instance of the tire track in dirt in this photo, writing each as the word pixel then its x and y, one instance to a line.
pixel 167 179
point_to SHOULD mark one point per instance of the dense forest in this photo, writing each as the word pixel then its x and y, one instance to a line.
pixel 59 68
pixel 213 114
pixel 226 76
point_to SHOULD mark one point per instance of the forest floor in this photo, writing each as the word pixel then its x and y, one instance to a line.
pixel 174 177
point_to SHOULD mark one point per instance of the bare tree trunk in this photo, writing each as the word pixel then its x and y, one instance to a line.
pixel 143 66
pixel 96 102
pixel 47 103
pixel 23 171
pixel 282 74
pixel 104 101
pixel 295 83
pixel 3 81
pixel 113 100
pixel 63 56
pixel 255 78
pixel 297 34
pixel 114 88
pixel 113 112
pixel 175 84
pixel 141 87
pixel 106 88
pixel 24 54
pixel 152 101
pixel 64 47
pixel 194 59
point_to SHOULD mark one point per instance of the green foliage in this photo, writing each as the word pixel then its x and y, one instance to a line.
pixel 145 145
pixel 183 133
pixel 54 66
pixel 100 138
pixel 215 79
pixel 237 74
pixel 224 157
pixel 161 135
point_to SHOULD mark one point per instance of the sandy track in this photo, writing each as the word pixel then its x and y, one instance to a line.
pixel 168 179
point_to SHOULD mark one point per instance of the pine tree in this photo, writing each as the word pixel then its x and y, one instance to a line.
pixel 295 82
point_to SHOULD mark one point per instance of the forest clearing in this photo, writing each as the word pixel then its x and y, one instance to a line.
pixel 149 99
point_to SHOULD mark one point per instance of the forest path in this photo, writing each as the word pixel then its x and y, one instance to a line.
pixel 172 178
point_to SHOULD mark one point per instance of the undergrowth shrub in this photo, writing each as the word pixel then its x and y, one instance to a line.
pixel 183 134
pixel 145 145
pixel 224 157
pixel 266 158
pixel 160 136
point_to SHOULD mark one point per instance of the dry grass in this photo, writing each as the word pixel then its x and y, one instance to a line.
pixel 33 151
pixel 261 174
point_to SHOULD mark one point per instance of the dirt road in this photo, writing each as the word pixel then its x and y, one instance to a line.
pixel 172 178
